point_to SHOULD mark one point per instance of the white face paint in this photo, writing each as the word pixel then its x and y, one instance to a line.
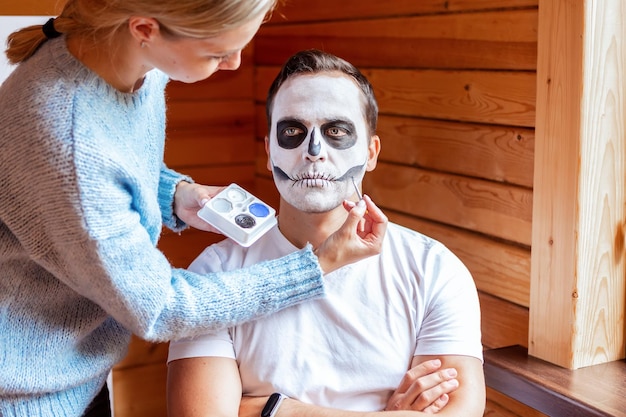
pixel 318 140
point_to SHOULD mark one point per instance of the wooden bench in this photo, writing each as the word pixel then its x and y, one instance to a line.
pixel 598 390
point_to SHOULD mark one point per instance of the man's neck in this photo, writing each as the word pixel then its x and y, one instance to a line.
pixel 301 228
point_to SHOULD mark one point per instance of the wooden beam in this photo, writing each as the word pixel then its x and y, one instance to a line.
pixel 30 8
pixel 577 268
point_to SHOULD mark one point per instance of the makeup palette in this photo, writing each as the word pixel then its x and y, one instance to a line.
pixel 239 215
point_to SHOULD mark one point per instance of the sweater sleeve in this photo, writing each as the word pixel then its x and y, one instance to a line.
pixel 168 181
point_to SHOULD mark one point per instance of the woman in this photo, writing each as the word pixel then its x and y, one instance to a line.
pixel 85 194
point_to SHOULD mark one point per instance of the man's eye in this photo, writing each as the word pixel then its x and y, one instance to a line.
pixel 292 131
pixel 335 132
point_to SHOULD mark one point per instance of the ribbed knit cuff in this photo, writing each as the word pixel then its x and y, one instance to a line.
pixel 299 277
pixel 167 188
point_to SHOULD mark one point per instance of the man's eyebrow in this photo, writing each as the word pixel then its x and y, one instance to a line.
pixel 290 119
pixel 340 121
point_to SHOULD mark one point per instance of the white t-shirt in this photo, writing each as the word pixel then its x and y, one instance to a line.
pixel 350 349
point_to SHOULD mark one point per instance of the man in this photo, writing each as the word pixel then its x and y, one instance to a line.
pixel 391 335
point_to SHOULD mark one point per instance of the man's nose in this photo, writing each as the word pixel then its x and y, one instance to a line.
pixel 315 147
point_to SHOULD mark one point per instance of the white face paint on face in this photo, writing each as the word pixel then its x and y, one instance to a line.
pixel 318 140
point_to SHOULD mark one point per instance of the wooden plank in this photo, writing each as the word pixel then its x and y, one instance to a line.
pixel 406 53
pixel 488 97
pixel 494 209
pixel 242 174
pixel 503 323
pixel 140 391
pixel 499 26
pixel 208 147
pixel 500 405
pixel 221 85
pixel 498 268
pixel 506 98
pixel 141 352
pixel 578 284
pixel 293 11
pixel 595 391
pixel 497 153
pixel 266 191
pixel 182 249
pixel 31 8
pixel 188 115
pixel 492 40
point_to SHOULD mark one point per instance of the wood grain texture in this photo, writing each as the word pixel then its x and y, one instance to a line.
pixel 497 153
pixel 406 53
pixel 487 40
pixel 294 10
pixel 578 283
pixel 503 323
pixel 482 206
pixel 228 85
pixel 602 294
pixel 209 147
pixel 594 391
pixel 500 405
pixel 501 97
pixel 191 115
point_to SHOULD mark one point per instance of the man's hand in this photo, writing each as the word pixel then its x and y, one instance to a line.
pixel 425 387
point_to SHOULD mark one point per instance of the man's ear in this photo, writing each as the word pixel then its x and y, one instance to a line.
pixel 267 153
pixel 143 29
pixel 372 153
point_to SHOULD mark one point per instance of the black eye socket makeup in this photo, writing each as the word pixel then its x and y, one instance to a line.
pixel 339 134
pixel 290 133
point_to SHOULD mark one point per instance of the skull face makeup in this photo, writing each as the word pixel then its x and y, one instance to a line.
pixel 318 141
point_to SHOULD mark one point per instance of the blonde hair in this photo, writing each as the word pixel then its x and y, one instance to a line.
pixel 105 18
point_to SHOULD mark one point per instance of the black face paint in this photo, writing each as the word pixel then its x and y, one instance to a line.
pixel 290 133
pixel 355 171
pixel 279 174
pixel 314 148
pixel 339 134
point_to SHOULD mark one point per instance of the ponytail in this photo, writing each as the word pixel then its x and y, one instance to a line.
pixel 23 43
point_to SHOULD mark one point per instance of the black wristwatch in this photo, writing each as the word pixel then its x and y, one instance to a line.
pixel 272 404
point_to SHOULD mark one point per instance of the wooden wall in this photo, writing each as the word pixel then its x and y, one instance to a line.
pixel 455 82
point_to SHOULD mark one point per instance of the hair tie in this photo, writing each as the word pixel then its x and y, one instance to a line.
pixel 49 30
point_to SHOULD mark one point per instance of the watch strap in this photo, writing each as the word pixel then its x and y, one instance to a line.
pixel 272 404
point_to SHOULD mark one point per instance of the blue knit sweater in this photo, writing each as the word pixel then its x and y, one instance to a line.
pixel 84 196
